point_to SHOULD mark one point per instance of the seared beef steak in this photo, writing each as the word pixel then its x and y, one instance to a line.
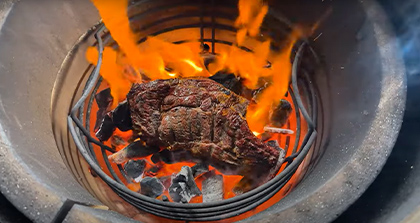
pixel 205 122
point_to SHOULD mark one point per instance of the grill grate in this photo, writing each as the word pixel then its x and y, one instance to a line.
pixel 197 211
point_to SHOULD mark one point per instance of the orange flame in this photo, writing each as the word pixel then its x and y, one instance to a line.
pixel 159 59
pixel 251 16
pixel 258 114
pixel 251 66
pixel 150 58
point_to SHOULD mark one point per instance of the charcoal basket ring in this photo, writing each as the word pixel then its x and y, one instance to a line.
pixel 210 211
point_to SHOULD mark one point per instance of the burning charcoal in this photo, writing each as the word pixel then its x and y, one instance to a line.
pixel 213 188
pixel 199 169
pixel 117 141
pixel 205 47
pixel 106 129
pixel 183 186
pixel 135 169
pixel 136 149
pixel 165 198
pixel 164 156
pixel 156 158
pixel 121 117
pixel 104 100
pixel 169 157
pixel 151 187
pixel 152 171
pixel 229 81
pixel 166 181
pixel 281 114
pixel 244 185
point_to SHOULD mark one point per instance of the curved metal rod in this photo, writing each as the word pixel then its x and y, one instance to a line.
pixel 202 211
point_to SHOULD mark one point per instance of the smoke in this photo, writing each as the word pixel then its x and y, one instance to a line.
pixel 405 16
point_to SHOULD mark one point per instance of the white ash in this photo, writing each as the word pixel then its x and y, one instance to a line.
pixel 183 186
pixel 213 188
pixel 278 130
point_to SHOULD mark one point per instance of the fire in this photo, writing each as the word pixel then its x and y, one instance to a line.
pixel 192 64
pixel 159 59
pixel 251 16
pixel 156 58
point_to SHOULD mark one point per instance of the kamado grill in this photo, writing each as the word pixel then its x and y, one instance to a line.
pixel 346 96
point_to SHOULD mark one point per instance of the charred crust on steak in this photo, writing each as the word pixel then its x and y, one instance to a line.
pixel 198 119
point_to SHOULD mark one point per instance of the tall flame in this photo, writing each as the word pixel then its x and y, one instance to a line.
pixel 251 66
pixel 159 59
pixel 251 16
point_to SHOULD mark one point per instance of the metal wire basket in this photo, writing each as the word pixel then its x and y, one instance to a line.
pixel 196 211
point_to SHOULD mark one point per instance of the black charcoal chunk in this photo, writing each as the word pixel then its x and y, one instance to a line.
pixel 281 114
pixel 165 198
pixel 213 188
pixel 135 169
pixel 154 170
pixel 156 158
pixel 136 149
pixel 106 129
pixel 166 156
pixel 179 178
pixel 199 169
pixel 122 118
pixel 179 190
pixel 183 186
pixel 103 100
pixel 205 47
pixel 170 157
pixel 151 187
pixel 229 81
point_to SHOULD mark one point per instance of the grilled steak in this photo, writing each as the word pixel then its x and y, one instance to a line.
pixel 205 122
